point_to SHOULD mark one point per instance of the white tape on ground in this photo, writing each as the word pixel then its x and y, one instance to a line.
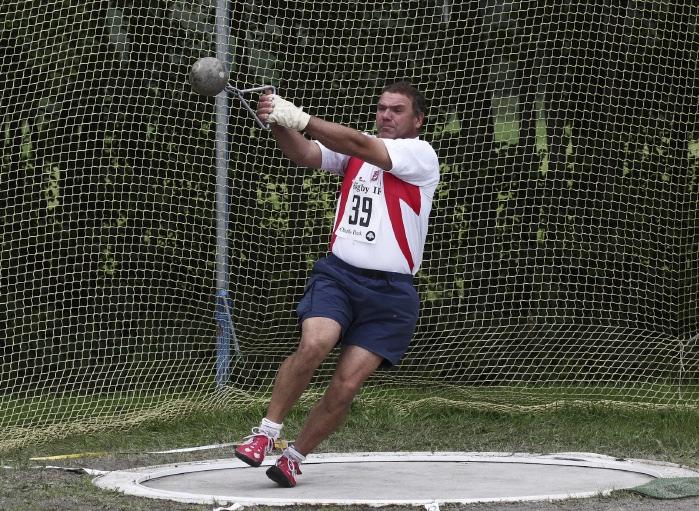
pixel 79 470
pixel 192 449
pixel 233 507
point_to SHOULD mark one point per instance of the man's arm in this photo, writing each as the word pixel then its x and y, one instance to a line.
pixel 335 137
pixel 296 147
pixel 293 144
pixel 351 142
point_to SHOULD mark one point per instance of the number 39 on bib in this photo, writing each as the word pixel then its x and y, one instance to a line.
pixel 363 211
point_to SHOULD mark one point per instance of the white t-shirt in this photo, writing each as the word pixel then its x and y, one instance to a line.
pixel 382 216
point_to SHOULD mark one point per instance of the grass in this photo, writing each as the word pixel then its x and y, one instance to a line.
pixel 398 419
pixel 665 435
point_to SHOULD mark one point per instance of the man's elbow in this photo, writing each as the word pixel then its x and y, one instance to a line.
pixel 311 157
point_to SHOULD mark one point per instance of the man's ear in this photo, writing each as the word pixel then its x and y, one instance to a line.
pixel 419 120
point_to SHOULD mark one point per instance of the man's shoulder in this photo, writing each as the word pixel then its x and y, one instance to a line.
pixel 416 142
pixel 414 160
pixel 420 148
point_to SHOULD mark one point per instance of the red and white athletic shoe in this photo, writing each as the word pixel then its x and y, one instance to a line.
pixel 284 472
pixel 253 450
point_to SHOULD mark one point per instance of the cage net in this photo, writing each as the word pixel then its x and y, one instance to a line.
pixel 561 264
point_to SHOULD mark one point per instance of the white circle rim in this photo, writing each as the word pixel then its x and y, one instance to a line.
pixel 131 481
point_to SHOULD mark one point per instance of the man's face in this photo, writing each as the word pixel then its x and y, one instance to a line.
pixel 395 117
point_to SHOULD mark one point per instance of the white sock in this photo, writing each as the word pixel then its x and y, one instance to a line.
pixel 291 453
pixel 271 428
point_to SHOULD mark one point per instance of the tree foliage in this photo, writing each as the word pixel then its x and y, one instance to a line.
pixel 566 132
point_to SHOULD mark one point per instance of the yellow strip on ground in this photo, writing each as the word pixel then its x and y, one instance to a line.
pixel 69 456
pixel 278 444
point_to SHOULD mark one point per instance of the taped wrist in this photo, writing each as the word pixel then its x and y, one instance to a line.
pixel 285 113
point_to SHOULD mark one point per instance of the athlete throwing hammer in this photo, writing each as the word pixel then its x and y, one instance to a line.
pixel 361 295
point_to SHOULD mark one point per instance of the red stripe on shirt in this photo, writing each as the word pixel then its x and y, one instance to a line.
pixel 351 171
pixel 396 190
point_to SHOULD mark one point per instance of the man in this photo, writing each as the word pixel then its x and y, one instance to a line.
pixel 361 295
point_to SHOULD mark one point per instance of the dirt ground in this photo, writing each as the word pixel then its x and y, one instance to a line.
pixel 37 488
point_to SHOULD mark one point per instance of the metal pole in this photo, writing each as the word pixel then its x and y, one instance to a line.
pixel 225 332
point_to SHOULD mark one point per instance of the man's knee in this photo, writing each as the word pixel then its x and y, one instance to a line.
pixel 343 389
pixel 319 337
pixel 312 352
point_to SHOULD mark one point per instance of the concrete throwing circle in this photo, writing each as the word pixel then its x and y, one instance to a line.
pixel 379 479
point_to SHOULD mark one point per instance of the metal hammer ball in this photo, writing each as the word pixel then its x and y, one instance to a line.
pixel 208 76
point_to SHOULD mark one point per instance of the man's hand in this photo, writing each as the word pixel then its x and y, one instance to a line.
pixel 284 113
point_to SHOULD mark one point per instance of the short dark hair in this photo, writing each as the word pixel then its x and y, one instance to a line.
pixel 405 88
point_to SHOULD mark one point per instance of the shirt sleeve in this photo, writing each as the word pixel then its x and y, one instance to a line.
pixel 332 162
pixel 414 161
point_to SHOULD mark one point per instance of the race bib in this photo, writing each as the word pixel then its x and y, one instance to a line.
pixel 363 211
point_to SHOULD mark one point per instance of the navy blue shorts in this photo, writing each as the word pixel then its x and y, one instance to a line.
pixel 377 310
